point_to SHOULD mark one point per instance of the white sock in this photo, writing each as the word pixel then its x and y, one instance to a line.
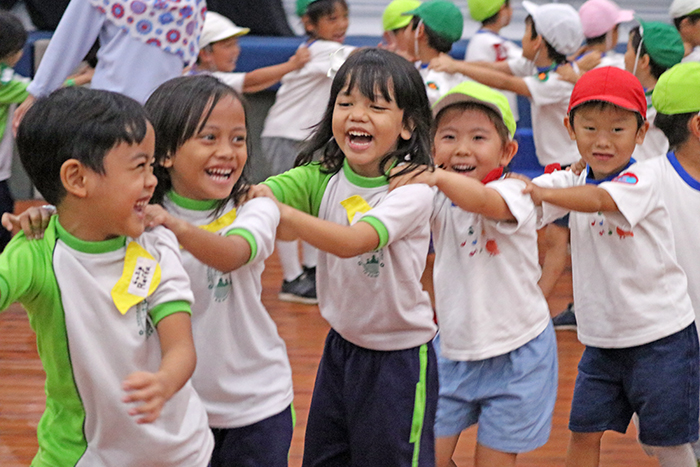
pixel 288 253
pixel 308 255
pixel 673 456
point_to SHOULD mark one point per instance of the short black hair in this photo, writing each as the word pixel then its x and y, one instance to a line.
pixel 435 40
pixel 179 109
pixel 376 72
pixel 693 18
pixel 635 38
pixel 674 127
pixel 602 105
pixel 492 19
pixel 75 123
pixel 12 34
pixel 320 8
pixel 553 55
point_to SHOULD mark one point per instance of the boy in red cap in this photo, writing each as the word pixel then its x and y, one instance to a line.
pixel 632 305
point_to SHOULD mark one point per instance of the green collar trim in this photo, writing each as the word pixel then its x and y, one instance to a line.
pixel 363 182
pixel 105 246
pixel 192 204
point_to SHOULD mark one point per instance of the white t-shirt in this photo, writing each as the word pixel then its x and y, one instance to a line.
pixel 487 46
pixel 243 373
pixel 655 141
pixel 485 277
pixel 628 287
pixel 374 300
pixel 612 58
pixel 437 83
pixel 549 102
pixel 693 56
pixel 681 193
pixel 235 80
pixel 303 95
pixel 92 334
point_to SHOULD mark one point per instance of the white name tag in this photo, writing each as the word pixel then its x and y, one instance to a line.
pixel 140 282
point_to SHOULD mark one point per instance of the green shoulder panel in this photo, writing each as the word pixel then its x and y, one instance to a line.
pixel 302 187
pixel 27 276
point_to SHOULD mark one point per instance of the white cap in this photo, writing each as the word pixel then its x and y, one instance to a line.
pixel 683 7
pixel 559 24
pixel 217 28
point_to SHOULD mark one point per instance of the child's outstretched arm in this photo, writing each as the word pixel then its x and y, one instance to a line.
pixel 263 78
pixel 586 198
pixel 495 78
pixel 222 253
pixel 467 193
pixel 177 364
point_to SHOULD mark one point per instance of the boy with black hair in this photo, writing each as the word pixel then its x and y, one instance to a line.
pixel 435 26
pixel 13 91
pixel 686 18
pixel 634 313
pixel 109 303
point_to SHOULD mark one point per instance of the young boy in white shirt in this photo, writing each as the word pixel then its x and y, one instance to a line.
pixel 601 20
pixel 634 313
pixel 109 303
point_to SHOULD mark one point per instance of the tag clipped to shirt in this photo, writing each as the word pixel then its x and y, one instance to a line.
pixel 353 205
pixel 140 278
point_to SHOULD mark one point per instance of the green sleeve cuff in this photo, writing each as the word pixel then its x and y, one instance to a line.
pixel 249 238
pixel 166 309
pixel 380 228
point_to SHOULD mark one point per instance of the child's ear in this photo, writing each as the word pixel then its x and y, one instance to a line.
pixel 167 162
pixel 569 128
pixel 74 178
pixel 644 62
pixel 509 151
pixel 308 25
pixel 407 130
pixel 694 126
pixel 641 133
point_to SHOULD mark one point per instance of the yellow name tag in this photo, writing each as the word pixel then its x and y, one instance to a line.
pixel 353 205
pixel 140 278
pixel 223 221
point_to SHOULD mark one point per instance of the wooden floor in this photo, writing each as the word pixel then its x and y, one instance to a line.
pixel 303 329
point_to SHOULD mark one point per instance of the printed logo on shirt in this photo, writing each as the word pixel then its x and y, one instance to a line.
pixel 432 85
pixel 220 283
pixel 501 52
pixel 372 263
pixel 603 229
pixel 627 177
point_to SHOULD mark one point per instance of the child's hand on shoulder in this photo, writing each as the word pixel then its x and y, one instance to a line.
pixel 150 390
pixel 33 221
pixel 156 215
pixel 535 192
pixel 444 63
pixel 421 174
pixel 577 167
pixel 259 191
pixel 300 58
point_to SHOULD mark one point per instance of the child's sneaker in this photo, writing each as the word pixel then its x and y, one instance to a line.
pixel 566 320
pixel 302 289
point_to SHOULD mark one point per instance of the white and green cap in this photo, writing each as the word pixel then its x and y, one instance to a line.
pixel 480 10
pixel 678 90
pixel 471 91
pixel 393 16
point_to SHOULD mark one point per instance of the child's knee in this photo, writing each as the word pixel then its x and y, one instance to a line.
pixel 672 456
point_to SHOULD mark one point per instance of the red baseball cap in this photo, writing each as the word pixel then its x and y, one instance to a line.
pixel 613 85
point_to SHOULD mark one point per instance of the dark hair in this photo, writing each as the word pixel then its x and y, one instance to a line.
pixel 320 8
pixel 179 109
pixel 693 18
pixel 492 19
pixel 553 55
pixel 376 72
pixel 602 105
pixel 75 123
pixel 674 127
pixel 12 34
pixel 635 38
pixel 495 118
pixel 435 40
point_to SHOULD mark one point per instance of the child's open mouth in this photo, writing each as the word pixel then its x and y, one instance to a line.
pixel 359 139
pixel 140 207
pixel 219 175
pixel 463 168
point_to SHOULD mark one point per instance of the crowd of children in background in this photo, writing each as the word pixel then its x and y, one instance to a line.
pixel 385 162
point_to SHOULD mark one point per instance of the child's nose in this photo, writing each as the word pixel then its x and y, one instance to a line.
pixel 359 113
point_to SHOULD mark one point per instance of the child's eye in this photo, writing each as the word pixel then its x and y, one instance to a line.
pixel 343 104
pixel 239 139
pixel 447 137
pixel 207 137
pixel 378 107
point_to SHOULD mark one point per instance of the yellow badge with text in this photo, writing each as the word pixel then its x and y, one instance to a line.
pixel 355 204
pixel 223 221
pixel 140 278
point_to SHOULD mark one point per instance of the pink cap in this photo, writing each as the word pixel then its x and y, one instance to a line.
pixel 600 16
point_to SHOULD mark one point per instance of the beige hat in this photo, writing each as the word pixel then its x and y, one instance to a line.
pixel 217 28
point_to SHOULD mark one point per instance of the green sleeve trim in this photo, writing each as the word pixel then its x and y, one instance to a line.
pixel 169 308
pixel 14 92
pixel 380 228
pixel 301 188
pixel 249 238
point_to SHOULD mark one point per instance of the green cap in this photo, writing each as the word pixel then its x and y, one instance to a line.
pixel 471 91
pixel 393 16
pixel 662 42
pixel 302 6
pixel 483 9
pixel 678 90
pixel 441 16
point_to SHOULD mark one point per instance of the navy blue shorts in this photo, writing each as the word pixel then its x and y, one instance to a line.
pixel 372 408
pixel 659 381
pixel 562 222
pixel 265 443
